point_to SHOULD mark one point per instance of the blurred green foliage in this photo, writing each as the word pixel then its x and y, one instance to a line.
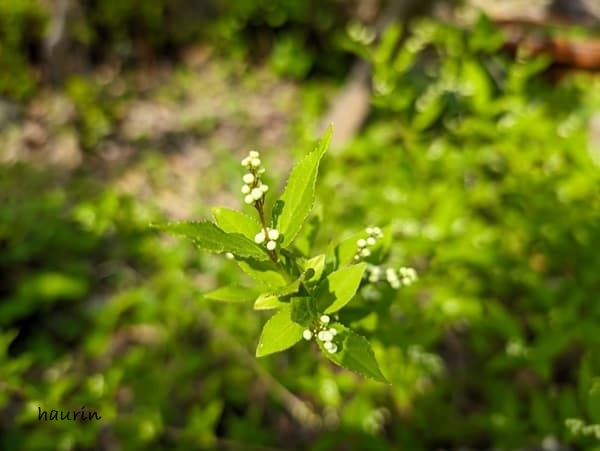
pixel 480 168
pixel 22 25
pixel 483 171
pixel 291 32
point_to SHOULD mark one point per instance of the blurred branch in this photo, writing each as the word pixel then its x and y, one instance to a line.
pixel 297 408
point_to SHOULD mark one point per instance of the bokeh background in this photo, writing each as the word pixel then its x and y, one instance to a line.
pixel 470 128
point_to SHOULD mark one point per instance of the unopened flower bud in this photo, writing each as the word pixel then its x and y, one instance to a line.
pixel 248 178
pixel 256 193
pixel 271 245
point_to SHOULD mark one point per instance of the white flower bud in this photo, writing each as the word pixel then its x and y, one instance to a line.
pixel 356 257
pixel 391 275
pixel 307 334
pixel 229 256
pixel 361 243
pixel 327 336
pixel 395 284
pixel 320 335
pixel 253 154
pixel 249 199
pixel 333 331
pixel 325 319
pixel 273 234
pixel 260 237
pixel 369 230
pixel 377 232
pixel 246 161
pixel 256 193
pixel 365 252
pixel 328 345
pixel 371 241
pixel 245 189
pixel 255 162
pixel 333 349
pixel 271 245
pixel 248 178
pixel 263 188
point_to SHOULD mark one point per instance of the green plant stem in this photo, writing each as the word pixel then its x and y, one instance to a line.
pixel 259 205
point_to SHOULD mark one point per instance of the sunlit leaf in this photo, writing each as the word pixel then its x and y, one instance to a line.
pixel 279 333
pixel 299 194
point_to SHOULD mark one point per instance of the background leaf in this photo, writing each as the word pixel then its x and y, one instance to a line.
pixel 299 194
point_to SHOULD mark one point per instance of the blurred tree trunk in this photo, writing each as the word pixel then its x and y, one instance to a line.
pixel 59 55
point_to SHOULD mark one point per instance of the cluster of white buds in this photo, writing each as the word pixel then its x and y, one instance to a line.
pixel 363 244
pixel 253 188
pixel 324 334
pixel 271 237
pixel 404 276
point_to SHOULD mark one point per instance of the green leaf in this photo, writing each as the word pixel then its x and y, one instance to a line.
pixel 340 287
pixel 306 238
pixel 299 194
pixel 232 293
pixel 343 253
pixel 354 353
pixel 233 221
pixel 271 299
pixel 268 303
pixel 303 311
pixel 316 264
pixel 265 272
pixel 207 236
pixel 279 333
